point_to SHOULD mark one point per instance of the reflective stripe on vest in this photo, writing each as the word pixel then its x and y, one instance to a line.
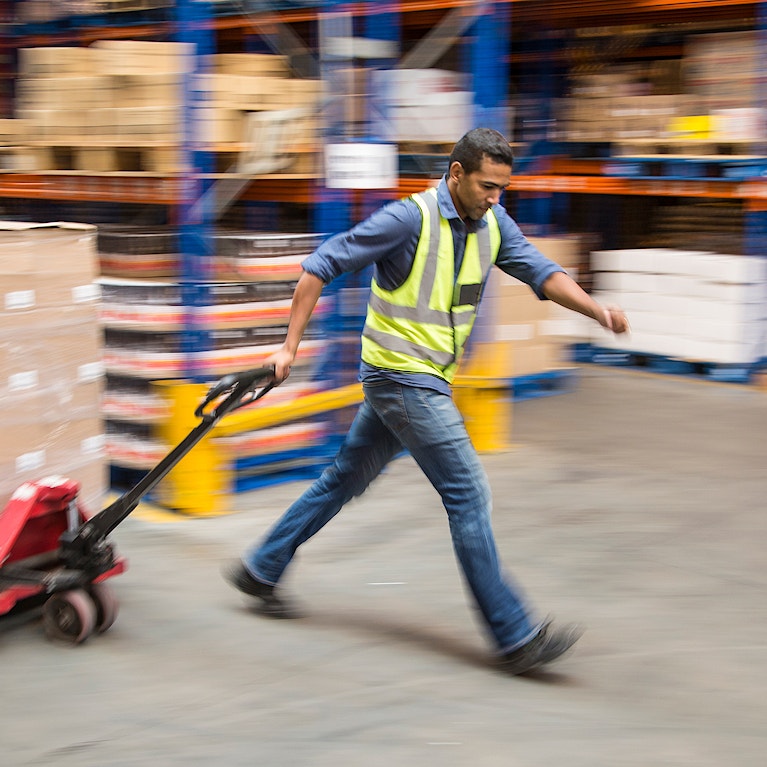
pixel 422 325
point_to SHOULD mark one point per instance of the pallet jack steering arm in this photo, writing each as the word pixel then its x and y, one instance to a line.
pixel 86 547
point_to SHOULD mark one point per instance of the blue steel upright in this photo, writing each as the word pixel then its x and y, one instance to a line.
pixel 488 63
pixel 195 213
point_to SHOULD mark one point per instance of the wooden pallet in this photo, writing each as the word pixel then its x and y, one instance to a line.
pixel 426 147
pixel 101 158
pixel 544 384
pixel 13 158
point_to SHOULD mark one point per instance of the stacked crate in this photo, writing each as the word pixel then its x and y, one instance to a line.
pixel 50 347
pixel 725 71
pixel 725 68
pixel 236 322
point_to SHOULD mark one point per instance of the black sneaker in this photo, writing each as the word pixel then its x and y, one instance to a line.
pixel 545 647
pixel 271 603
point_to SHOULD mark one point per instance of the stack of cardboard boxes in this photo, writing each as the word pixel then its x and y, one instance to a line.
pixel 711 94
pixel 119 105
pixel 50 357
pixel 517 334
pixel 85 106
pixel 248 103
pixel 517 339
pixel 423 105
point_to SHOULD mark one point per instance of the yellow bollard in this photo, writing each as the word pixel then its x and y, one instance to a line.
pixel 482 394
pixel 202 482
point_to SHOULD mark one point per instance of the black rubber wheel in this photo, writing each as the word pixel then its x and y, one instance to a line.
pixel 107 606
pixel 70 616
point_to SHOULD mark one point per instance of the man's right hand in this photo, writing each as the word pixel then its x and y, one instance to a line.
pixel 281 360
pixel 305 297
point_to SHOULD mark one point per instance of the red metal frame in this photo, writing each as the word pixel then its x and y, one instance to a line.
pixel 30 527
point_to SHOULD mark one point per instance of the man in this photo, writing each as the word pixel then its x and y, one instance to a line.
pixel 432 254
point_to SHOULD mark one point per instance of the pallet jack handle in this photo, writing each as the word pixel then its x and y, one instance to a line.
pixel 230 393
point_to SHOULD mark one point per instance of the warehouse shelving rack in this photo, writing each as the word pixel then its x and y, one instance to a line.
pixel 202 24
pixel 549 175
pixel 566 169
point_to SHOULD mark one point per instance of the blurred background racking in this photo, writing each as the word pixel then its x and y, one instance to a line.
pixel 200 150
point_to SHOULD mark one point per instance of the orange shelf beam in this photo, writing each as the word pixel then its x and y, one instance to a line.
pixel 593 13
pixel 169 190
pixel 755 190
pixel 139 188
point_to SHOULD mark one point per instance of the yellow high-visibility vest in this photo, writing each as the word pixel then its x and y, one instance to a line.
pixel 422 326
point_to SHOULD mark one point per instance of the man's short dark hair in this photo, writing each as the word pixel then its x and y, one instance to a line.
pixel 479 143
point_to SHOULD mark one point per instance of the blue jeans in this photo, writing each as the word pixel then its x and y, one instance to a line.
pixel 428 425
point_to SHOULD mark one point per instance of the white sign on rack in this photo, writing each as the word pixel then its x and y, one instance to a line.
pixel 361 166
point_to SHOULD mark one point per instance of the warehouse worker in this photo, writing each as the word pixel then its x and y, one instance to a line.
pixel 431 253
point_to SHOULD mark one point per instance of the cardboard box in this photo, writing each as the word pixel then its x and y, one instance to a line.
pixel 51 369
pixel 90 470
pixel 58 61
pixel 39 291
pixel 45 265
pixel 565 251
pixel 59 247
pixel 260 64
pixel 143 57
pixel 148 89
pixel 219 125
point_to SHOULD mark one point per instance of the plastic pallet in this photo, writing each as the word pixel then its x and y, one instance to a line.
pixel 545 384
pixel 711 371
pixel 712 168
pixel 300 473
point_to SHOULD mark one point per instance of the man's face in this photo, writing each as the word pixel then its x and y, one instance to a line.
pixel 475 193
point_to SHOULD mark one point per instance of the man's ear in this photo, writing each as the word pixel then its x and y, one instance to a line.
pixel 456 171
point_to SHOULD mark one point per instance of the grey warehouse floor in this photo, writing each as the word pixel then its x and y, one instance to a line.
pixel 634 505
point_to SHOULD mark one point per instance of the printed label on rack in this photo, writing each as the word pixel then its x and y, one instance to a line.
pixel 361 166
pixel 84 294
pixel 29 379
pixel 91 371
pixel 19 299
pixel 30 461
pixel 95 445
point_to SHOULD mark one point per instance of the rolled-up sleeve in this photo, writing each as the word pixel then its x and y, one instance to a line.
pixel 519 258
pixel 385 235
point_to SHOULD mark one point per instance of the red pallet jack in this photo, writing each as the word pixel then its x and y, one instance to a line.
pixel 52 551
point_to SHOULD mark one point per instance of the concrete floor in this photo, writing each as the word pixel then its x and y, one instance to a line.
pixel 634 505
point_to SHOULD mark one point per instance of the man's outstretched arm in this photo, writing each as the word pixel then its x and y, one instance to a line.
pixel 305 297
pixel 564 291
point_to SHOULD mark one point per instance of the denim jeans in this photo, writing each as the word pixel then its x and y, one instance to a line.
pixel 427 424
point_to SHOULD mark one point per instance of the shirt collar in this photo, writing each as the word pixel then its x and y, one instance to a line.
pixel 447 207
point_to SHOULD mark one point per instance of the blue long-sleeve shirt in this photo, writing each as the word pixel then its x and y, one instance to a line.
pixel 387 241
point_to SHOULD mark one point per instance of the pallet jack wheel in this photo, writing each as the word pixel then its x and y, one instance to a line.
pixel 70 616
pixel 107 606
